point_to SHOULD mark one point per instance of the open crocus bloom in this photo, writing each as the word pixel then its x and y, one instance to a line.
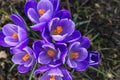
pixel 39 12
pixel 24 58
pixel 58 29
pixel 13 33
pixel 77 56
pixel 58 73
pixel 49 53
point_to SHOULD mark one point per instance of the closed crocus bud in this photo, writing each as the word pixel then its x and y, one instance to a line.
pixel 94 58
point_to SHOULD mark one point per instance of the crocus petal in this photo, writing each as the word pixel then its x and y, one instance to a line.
pixel 63 14
pixel 2 42
pixel 46 35
pixel 46 17
pixel 66 73
pixel 11 41
pixel 48 45
pixel 44 58
pixel 74 46
pixel 39 26
pixel 56 5
pixel 18 21
pixel 45 76
pixel 32 15
pixel 9 29
pixel 23 69
pixel 28 50
pixel 85 42
pixel 82 66
pixel 45 4
pixel 74 37
pixel 67 25
pixel 30 4
pixel 59 37
pixel 21 31
pixel 71 63
pixel 41 69
pixel 17 58
pixel 22 44
pixel 37 47
pixel 55 71
pixel 29 62
pixel 83 54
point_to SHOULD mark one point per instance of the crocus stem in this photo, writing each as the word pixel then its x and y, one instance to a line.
pixel 31 74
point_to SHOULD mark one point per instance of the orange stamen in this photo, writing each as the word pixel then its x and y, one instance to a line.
pixel 58 30
pixel 15 35
pixel 41 11
pixel 51 53
pixel 26 57
pixel 74 55
pixel 52 77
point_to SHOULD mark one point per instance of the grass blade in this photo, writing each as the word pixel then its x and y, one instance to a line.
pixel 12 67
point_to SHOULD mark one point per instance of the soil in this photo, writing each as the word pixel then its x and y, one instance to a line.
pixel 103 17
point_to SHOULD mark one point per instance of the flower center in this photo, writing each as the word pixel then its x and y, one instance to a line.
pixel 58 30
pixel 26 57
pixel 41 11
pixel 15 35
pixel 51 53
pixel 74 55
pixel 52 77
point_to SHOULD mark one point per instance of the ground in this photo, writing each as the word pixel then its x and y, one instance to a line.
pixel 99 17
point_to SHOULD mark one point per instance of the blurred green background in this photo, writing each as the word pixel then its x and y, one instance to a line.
pixel 97 19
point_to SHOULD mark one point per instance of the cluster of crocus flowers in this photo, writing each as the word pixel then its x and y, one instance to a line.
pixel 61 44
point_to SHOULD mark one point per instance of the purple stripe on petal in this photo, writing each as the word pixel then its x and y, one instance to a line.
pixel 39 26
pixel 11 41
pixel 56 5
pixel 23 69
pixel 9 29
pixel 32 15
pixel 18 21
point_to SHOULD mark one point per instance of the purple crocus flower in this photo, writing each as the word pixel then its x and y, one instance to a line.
pixel 77 56
pixel 58 29
pixel 58 73
pixel 48 53
pixel 24 58
pixel 43 11
pixel 39 12
pixel 15 35
pixel 94 58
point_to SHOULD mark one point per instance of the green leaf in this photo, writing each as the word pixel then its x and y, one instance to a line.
pixel 12 67
pixel 92 39
pixel 31 74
